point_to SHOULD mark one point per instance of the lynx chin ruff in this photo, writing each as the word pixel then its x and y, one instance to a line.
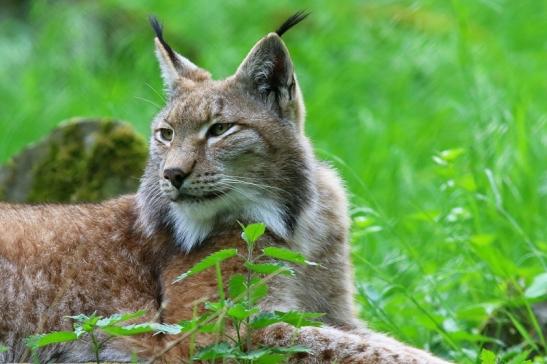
pixel 220 151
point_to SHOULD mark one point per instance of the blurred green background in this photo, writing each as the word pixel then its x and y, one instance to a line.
pixel 433 111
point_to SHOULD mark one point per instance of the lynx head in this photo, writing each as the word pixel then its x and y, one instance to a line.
pixel 226 150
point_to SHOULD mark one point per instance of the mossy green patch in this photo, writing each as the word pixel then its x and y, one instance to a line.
pixel 89 162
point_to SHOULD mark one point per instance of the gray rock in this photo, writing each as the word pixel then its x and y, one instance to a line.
pixel 81 160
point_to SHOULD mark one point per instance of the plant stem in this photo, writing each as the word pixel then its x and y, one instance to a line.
pixel 237 325
pixel 96 347
pixel 248 299
pixel 222 299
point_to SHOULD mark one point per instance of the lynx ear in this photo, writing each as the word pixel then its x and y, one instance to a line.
pixel 268 73
pixel 174 66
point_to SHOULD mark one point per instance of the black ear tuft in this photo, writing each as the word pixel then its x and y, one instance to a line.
pixel 292 21
pixel 158 29
pixel 156 26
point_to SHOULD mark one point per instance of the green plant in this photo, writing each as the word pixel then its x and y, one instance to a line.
pixel 239 309
pixel 232 319
pixel 99 329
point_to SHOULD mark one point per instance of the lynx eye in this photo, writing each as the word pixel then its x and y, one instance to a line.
pixel 219 128
pixel 165 134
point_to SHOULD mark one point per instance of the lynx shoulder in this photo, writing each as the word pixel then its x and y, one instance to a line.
pixel 221 151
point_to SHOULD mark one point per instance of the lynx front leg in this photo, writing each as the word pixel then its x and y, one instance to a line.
pixel 331 345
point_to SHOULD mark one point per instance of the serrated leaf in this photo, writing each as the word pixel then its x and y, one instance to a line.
pixel 293 318
pixel 84 323
pixel 538 287
pixel 286 255
pixel 264 319
pixel 119 317
pixel 127 330
pixel 208 262
pixel 252 355
pixel 143 328
pixel 215 351
pixel 269 355
pixel 239 312
pixel 251 233
pixel 37 341
pixel 300 319
pixel 80 318
pixel 236 286
pixel 170 329
pixel 269 268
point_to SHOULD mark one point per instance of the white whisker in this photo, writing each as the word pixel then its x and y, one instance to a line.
pixel 235 179
pixel 149 101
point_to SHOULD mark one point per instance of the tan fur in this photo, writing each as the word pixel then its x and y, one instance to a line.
pixel 98 262
pixel 122 255
pixel 63 260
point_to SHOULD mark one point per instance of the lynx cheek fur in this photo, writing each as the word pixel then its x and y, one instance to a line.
pixel 220 151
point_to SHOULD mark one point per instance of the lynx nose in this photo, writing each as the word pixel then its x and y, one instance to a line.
pixel 175 175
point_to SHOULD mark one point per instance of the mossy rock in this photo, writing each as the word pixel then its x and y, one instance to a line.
pixel 81 160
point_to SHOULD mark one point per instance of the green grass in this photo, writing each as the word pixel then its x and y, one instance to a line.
pixel 441 240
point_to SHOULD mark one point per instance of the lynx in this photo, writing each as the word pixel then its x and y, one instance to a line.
pixel 221 151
